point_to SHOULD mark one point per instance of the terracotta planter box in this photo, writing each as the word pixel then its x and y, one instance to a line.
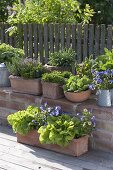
pixel 78 97
pixel 29 86
pixel 52 90
pixel 76 147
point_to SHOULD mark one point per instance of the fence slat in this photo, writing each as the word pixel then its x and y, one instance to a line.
pixel 74 37
pixel 91 39
pixel 41 49
pixel 20 37
pixel 68 35
pixel 6 34
pixel 2 33
pixel 35 26
pixel 26 40
pixel 102 39
pixel 57 37
pixel 109 37
pixel 85 42
pixel 30 28
pixel 79 43
pixel 97 41
pixel 62 36
pixel 46 46
pixel 51 37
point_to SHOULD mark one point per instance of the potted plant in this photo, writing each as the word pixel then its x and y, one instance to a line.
pixel 103 81
pixel 63 60
pixel 50 128
pixel 77 89
pixel 26 76
pixel 6 54
pixel 52 84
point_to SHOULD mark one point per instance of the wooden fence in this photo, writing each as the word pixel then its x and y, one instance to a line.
pixel 40 40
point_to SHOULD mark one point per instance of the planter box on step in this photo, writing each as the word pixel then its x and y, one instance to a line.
pixel 76 147
pixel 28 86
pixel 52 90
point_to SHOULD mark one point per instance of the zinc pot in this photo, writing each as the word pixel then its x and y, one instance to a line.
pixel 52 90
pixel 28 86
pixel 4 76
pixel 76 147
pixel 104 98
pixel 78 97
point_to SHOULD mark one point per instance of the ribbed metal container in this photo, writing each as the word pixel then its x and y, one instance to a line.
pixel 4 76
pixel 104 98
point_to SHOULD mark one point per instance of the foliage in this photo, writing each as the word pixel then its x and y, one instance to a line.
pixel 62 129
pixel 27 68
pixel 26 120
pixel 53 125
pixel 85 67
pixel 32 118
pixel 7 52
pixel 102 80
pixel 56 77
pixel 103 10
pixel 104 62
pixel 77 84
pixel 51 11
pixel 4 4
pixel 63 58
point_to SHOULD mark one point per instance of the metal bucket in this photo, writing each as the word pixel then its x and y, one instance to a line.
pixel 4 76
pixel 104 98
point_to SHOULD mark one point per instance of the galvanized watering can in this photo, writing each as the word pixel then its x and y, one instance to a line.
pixel 104 98
pixel 4 76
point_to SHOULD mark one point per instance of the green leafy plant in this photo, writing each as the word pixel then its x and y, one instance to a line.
pixel 53 125
pixel 64 58
pixel 85 67
pixel 77 84
pixel 62 129
pixel 7 52
pixel 26 120
pixel 104 62
pixel 56 77
pixel 27 68
pixel 52 11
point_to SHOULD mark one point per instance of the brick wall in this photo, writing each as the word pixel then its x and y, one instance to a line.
pixel 102 137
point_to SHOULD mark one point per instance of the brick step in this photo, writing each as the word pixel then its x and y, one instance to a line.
pixel 103 136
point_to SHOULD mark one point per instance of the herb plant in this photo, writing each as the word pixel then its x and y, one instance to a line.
pixel 77 84
pixel 56 77
pixel 85 67
pixel 7 52
pixel 27 68
pixel 64 58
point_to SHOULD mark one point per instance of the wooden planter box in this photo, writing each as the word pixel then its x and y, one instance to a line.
pixel 29 86
pixel 76 147
pixel 52 90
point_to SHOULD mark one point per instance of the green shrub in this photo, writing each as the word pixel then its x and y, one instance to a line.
pixel 27 68
pixel 56 77
pixel 7 52
pixel 64 58
pixel 77 84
